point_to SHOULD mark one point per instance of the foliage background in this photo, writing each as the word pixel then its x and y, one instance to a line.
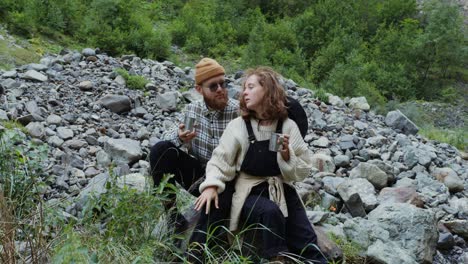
pixel 385 50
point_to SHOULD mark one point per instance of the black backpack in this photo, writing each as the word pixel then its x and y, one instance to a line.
pixel 296 112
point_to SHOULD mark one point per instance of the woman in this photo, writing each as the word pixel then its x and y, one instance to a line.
pixel 263 191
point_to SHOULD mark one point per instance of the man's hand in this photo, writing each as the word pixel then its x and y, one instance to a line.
pixel 285 149
pixel 209 194
pixel 186 135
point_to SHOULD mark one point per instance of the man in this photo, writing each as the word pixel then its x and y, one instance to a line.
pixel 212 114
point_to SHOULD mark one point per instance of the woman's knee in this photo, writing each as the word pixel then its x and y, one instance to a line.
pixel 272 211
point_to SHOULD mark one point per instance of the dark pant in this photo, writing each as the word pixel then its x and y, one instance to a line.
pixel 215 224
pixel 166 158
pixel 281 234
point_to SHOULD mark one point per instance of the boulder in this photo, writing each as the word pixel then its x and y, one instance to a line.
pixel 449 178
pixel 413 229
pixel 397 120
pixel 372 173
pixel 363 188
pixel 323 162
pixel 116 103
pixel 123 150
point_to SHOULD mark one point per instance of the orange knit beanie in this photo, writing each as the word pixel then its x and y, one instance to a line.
pixel 207 68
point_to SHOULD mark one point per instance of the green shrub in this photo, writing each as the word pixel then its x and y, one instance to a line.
pixel 21 203
pixel 351 250
pixel 321 95
pixel 133 81
pixel 119 226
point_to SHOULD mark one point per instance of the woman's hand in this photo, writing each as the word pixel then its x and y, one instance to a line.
pixel 209 194
pixel 285 149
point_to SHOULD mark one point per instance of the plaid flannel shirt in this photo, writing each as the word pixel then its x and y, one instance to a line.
pixel 210 127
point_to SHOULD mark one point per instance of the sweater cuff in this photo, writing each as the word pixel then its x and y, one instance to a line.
pixel 212 182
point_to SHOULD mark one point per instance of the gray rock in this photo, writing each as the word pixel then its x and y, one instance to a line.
pixel 355 206
pixel 450 178
pixel 412 228
pixel 135 181
pixel 123 150
pixel 360 125
pixel 359 103
pixel 376 141
pixel 330 184
pixel 399 195
pixel 459 204
pixel 143 133
pixel 413 156
pixel 37 67
pixel 458 227
pixel 323 162
pixel 34 76
pixel 36 130
pixel 364 232
pixel 432 192
pixel 54 120
pixel 10 74
pixel 388 253
pixel 55 141
pixel 88 52
pixel 3 116
pixel 397 120
pixel 346 143
pixel 103 159
pixel 9 84
pixel 120 80
pixel 322 142
pixel 445 241
pixel 75 144
pixel 335 101
pixel 116 103
pixel 372 173
pixel 167 101
pixel 341 160
pixel 86 85
pixel 65 133
pixel 316 217
pixel 362 187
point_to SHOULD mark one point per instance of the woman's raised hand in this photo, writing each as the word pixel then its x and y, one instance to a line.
pixel 285 149
pixel 209 194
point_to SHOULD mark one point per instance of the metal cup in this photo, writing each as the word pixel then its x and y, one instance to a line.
pixel 189 123
pixel 276 142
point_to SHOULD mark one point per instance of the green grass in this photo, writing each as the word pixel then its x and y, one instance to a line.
pixel 455 137
pixel 11 56
pixel 351 250
pixel 11 125
pixel 136 82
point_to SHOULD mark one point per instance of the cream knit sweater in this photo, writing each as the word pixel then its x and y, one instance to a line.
pixel 228 156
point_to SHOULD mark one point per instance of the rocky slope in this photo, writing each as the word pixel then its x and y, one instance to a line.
pixel 402 198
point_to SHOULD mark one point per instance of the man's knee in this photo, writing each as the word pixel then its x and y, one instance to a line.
pixel 162 149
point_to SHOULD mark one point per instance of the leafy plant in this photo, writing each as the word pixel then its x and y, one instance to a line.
pixel 321 95
pixel 133 81
pixel 351 250
pixel 21 189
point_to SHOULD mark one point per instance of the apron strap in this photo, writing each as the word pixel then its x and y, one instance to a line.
pixel 252 138
pixel 279 126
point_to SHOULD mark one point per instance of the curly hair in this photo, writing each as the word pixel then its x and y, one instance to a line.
pixel 274 100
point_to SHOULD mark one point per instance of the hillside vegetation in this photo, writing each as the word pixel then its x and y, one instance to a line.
pixel 385 50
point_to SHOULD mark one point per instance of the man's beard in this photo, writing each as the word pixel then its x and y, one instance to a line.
pixel 216 104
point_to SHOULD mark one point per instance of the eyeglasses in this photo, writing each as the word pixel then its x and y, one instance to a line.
pixel 214 86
